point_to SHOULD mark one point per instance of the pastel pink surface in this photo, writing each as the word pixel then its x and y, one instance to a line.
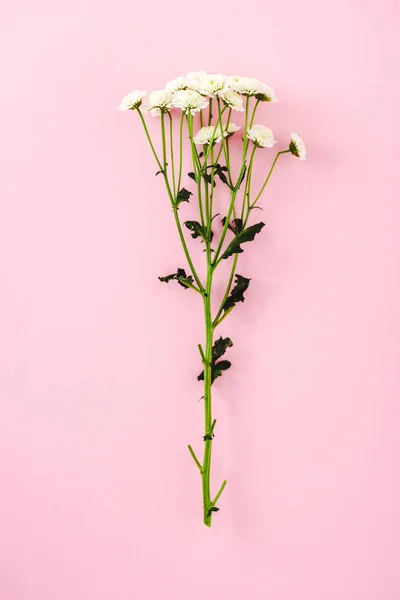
pixel 99 497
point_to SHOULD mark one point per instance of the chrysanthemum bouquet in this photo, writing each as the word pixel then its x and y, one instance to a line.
pixel 219 159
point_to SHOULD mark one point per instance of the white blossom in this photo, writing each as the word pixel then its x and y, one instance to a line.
pixel 189 101
pixel 261 136
pixel 179 83
pixel 159 101
pixel 194 78
pixel 233 79
pixel 132 100
pixel 250 86
pixel 267 94
pixel 206 84
pixel 229 129
pixel 297 146
pixel 232 99
pixel 206 134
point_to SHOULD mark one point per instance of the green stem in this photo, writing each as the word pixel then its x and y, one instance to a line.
pixel 149 140
pixel 195 458
pixel 171 142
pixel 175 207
pixel 205 475
pixel 246 120
pixel 248 183
pixel 210 111
pixel 228 217
pixel 228 289
pixel 267 179
pixel 224 142
pixel 221 489
pixel 196 166
pixel 180 151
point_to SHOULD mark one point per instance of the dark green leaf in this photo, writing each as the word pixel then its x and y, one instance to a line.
pixel 158 172
pixel 219 348
pixel 183 196
pixel 236 295
pixel 196 228
pixel 192 176
pixel 178 276
pixel 208 178
pixel 236 225
pixel 222 177
pixel 212 509
pixel 247 235
pixel 208 436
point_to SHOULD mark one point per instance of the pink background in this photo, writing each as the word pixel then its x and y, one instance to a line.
pixel 99 497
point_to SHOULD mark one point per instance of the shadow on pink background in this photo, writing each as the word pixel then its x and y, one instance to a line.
pixel 99 497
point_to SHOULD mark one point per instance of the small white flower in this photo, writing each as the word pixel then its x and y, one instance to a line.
pixel 207 85
pixel 132 100
pixel 159 101
pixel 250 86
pixel 229 129
pixel 297 146
pixel 233 79
pixel 261 136
pixel 267 94
pixel 194 79
pixel 206 134
pixel 232 99
pixel 179 83
pixel 189 101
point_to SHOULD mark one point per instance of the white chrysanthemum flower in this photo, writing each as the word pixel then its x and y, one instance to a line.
pixel 179 83
pixel 229 129
pixel 206 134
pixel 297 147
pixel 189 101
pixel 233 79
pixel 159 101
pixel 232 99
pixel 250 86
pixel 206 84
pixel 261 136
pixel 194 78
pixel 267 94
pixel 132 100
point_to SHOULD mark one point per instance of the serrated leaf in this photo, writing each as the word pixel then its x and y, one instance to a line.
pixel 219 348
pixel 247 235
pixel 196 228
pixel 180 274
pixel 236 295
pixel 236 225
pixel 183 196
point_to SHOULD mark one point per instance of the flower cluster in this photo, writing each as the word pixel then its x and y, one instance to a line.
pixel 193 93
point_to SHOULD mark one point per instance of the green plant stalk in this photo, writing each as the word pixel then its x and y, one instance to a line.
pixel 209 504
pixel 206 467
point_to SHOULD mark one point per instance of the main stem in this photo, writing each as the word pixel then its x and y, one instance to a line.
pixel 205 474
